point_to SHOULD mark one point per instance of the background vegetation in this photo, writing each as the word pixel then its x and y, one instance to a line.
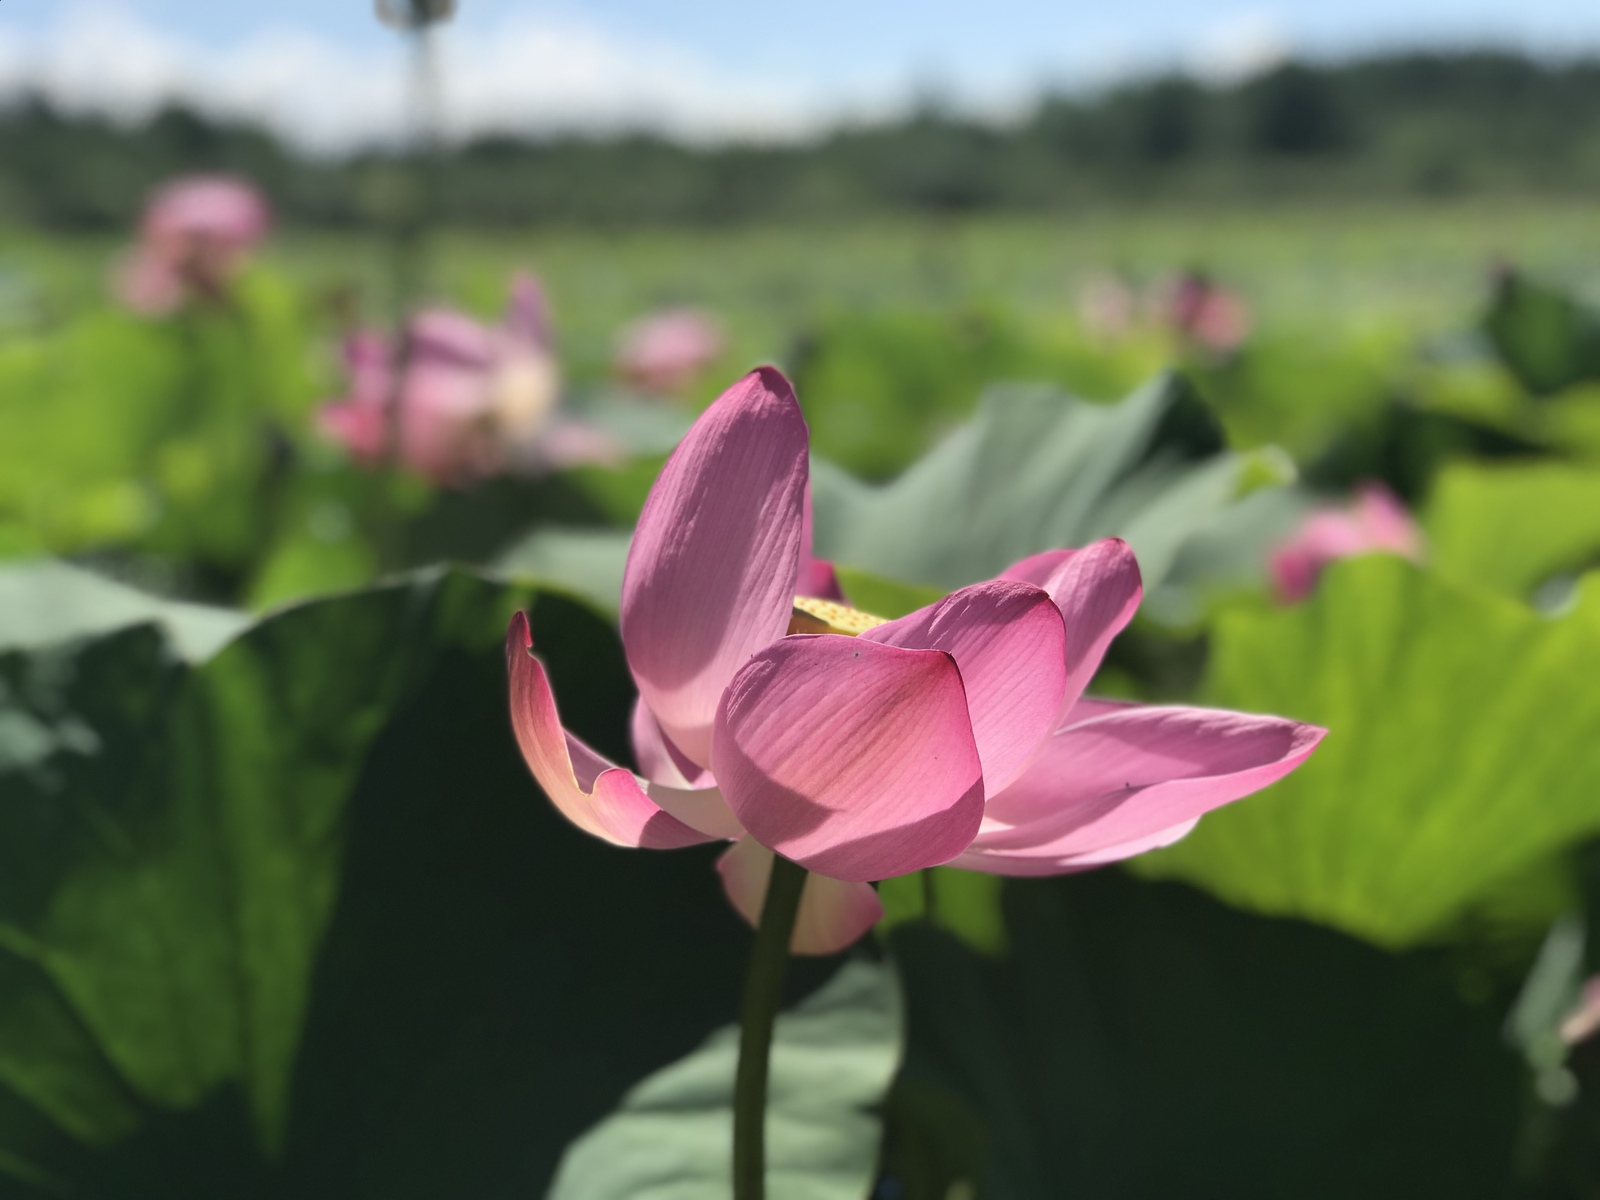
pixel 1434 125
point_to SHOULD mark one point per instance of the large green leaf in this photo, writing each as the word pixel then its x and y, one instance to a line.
pixel 1461 749
pixel 1299 387
pixel 46 600
pixel 587 562
pixel 1142 1040
pixel 1545 337
pixel 172 895
pixel 1512 527
pixel 1036 469
pixel 295 921
pixel 832 1060
pixel 878 388
pixel 116 430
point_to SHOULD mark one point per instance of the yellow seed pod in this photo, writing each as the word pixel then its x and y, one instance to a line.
pixel 824 616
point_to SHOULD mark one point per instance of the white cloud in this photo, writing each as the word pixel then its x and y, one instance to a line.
pixel 529 74
pixel 1239 48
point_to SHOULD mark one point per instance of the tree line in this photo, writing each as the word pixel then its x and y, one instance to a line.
pixel 1428 124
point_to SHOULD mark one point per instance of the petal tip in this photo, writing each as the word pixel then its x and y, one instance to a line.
pixel 775 381
pixel 519 636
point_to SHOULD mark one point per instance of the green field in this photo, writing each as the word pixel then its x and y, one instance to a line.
pixel 1422 264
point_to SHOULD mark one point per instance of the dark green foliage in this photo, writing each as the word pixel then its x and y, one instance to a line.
pixel 296 922
pixel 1546 337
pixel 1144 1041
pixel 832 1062
pixel 1296 110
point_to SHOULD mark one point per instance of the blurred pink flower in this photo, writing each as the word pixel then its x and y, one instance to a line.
pixel 1108 307
pixel 195 235
pixel 667 350
pixel 1374 522
pixel 1205 314
pixel 860 748
pixel 474 400
pixel 1583 1022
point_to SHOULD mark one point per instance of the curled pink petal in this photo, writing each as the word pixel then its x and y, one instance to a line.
pixel 687 792
pixel 1005 863
pixel 658 759
pixel 852 758
pixel 1009 641
pixel 702 809
pixel 834 913
pixel 1132 774
pixel 1098 590
pixel 597 796
pixel 1037 568
pixel 1086 708
pixel 711 573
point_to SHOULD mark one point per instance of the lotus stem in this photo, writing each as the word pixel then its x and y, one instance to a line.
pixel 763 994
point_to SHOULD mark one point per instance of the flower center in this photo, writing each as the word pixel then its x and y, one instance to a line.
pixel 824 616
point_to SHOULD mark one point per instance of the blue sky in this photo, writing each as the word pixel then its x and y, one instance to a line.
pixel 326 72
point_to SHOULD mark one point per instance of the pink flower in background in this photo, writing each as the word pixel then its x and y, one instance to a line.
pixel 861 748
pixel 1205 314
pixel 474 400
pixel 668 350
pixel 1108 307
pixel 1375 522
pixel 195 235
pixel 1583 1022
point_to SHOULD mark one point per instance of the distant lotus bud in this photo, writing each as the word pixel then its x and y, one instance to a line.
pixel 195 234
pixel 528 314
pixel 1210 317
pixel 1375 522
pixel 1107 307
pixel 666 351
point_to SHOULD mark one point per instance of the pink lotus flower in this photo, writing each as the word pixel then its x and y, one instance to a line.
pixel 1375 522
pixel 474 400
pixel 195 235
pixel 1107 307
pixel 667 351
pixel 859 748
pixel 1583 1022
pixel 1206 314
